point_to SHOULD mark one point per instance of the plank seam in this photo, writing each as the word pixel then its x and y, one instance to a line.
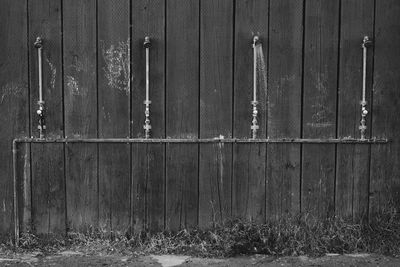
pixel 233 105
pixel 371 106
pixel 267 114
pixel 302 103
pixel 199 118
pixel 165 115
pixel 337 108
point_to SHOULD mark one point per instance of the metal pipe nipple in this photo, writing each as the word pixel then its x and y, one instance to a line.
pixel 366 42
pixel 256 40
pixel 147 42
pixel 38 42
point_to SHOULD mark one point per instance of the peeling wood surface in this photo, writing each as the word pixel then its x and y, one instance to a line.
pixel 48 212
pixel 321 33
pixel 182 95
pixel 148 161
pixel 248 180
pixel 216 73
pixel 80 109
pixel 352 166
pixel 307 157
pixel 284 107
pixel 385 167
pixel 114 91
pixel 14 98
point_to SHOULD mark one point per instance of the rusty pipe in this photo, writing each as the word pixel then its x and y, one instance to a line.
pixel 15 196
pixel 41 108
pixel 254 123
pixel 147 102
pixel 363 122
pixel 203 140
pixel 218 140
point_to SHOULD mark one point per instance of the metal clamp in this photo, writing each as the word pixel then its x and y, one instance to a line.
pixel 41 105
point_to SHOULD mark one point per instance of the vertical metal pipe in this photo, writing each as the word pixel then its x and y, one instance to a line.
pixel 255 69
pixel 40 72
pixel 147 102
pixel 40 111
pixel 254 125
pixel 147 74
pixel 15 195
pixel 363 102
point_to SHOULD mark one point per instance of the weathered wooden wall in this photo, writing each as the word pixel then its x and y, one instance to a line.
pixel 201 86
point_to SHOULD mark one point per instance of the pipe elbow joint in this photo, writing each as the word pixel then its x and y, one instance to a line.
pixel 38 43
pixel 256 40
pixel 147 43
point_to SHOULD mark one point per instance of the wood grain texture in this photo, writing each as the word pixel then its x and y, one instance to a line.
pixel 24 187
pixel 114 92
pixel 249 160
pixel 284 107
pixel 352 168
pixel 14 98
pixel 82 196
pixel 148 187
pixel 80 102
pixel 216 77
pixel 385 168
pixel 319 105
pixel 48 189
pixel 45 22
pixel 182 117
pixel 114 188
pixel 148 170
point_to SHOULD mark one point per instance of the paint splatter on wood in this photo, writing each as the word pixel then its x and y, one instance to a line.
pixel 53 71
pixel 322 116
pixel 73 86
pixel 117 69
pixel 11 89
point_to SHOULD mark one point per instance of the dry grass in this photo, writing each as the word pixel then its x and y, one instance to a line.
pixel 300 235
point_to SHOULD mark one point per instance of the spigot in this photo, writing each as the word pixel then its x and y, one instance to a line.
pixel 38 43
pixel 41 119
pixel 366 42
pixel 147 43
pixel 254 123
pixel 256 40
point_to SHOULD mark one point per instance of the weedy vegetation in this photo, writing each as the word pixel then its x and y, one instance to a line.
pixel 291 236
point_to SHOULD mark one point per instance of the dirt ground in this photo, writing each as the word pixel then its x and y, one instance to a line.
pixel 72 258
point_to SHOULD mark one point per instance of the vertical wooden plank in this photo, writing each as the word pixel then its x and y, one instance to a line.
pixel 385 167
pixel 182 90
pixel 114 85
pixel 24 186
pixel 248 182
pixel 284 107
pixel 319 105
pixel 352 169
pixel 14 98
pixel 80 100
pixel 216 77
pixel 148 177
pixel 81 169
pixel 48 191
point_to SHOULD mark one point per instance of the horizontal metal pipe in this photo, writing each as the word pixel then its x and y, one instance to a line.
pixel 166 140
pixel 204 140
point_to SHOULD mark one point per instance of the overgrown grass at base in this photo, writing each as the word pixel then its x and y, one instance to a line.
pixel 298 235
